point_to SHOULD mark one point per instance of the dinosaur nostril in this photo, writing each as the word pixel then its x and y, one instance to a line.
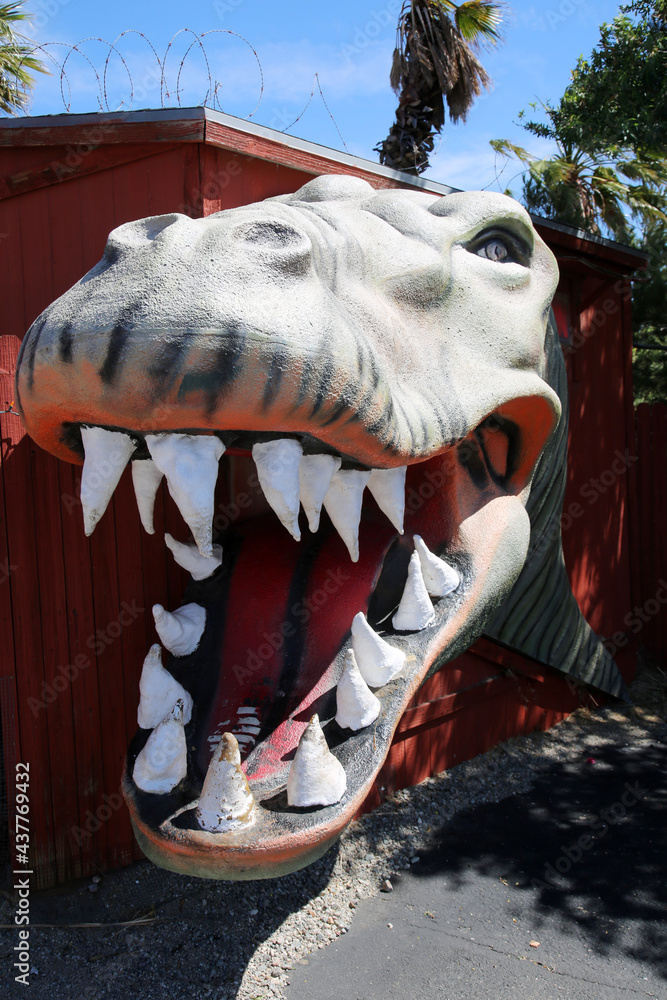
pixel 277 244
pixel 272 234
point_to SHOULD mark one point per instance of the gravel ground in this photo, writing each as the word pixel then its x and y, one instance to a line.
pixel 156 933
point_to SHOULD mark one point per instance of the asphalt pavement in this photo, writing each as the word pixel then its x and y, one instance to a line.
pixel 556 894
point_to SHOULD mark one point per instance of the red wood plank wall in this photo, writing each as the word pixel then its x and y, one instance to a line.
pixel 648 618
pixel 75 613
pixel 601 445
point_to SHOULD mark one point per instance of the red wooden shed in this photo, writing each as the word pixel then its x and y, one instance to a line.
pixel 75 613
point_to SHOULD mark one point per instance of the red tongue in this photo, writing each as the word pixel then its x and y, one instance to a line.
pixel 289 611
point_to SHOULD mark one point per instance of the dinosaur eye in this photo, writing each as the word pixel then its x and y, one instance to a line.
pixel 494 250
pixel 502 247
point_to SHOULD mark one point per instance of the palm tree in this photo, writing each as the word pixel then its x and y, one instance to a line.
pixel 435 63
pixel 16 60
pixel 590 192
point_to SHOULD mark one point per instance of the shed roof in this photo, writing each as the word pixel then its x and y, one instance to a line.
pixel 204 125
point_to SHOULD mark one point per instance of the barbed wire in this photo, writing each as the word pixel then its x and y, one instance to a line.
pixel 211 97
pixel 316 83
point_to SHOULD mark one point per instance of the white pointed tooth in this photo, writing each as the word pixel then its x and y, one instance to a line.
pixel 343 505
pixel 146 478
pixel 226 801
pixel 377 660
pixel 180 630
pixel 190 558
pixel 440 578
pixel 163 761
pixel 415 611
pixel 388 489
pixel 356 705
pixel 315 472
pixel 159 692
pixel 190 463
pixel 316 777
pixel 106 453
pixel 278 472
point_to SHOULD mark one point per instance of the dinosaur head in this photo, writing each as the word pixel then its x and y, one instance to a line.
pixel 382 360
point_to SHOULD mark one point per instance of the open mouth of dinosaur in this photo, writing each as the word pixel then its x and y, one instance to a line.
pixel 306 628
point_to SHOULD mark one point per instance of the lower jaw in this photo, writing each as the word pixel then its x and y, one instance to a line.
pixel 300 674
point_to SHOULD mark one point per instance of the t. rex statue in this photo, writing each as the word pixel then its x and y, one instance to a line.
pixel 388 360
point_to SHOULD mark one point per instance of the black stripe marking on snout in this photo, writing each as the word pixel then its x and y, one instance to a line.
pixel 117 340
pixel 65 344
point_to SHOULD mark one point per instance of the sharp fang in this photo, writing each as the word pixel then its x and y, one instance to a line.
pixel 388 489
pixel 159 692
pixel 415 611
pixel 440 578
pixel 189 557
pixel 278 470
pixel 343 505
pixel 163 761
pixel 356 705
pixel 226 801
pixel 315 472
pixel 377 660
pixel 190 463
pixel 181 630
pixel 316 777
pixel 106 453
pixel 146 478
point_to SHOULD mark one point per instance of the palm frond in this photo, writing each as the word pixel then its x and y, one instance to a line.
pixel 479 22
pixel 17 59
pixel 590 192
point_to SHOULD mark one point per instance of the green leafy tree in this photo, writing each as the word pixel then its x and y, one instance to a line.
pixel 649 320
pixel 617 99
pixel 609 174
pixel 17 63
pixel 591 192
pixel 436 69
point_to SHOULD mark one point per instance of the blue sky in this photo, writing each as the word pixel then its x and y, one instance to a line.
pixel 348 44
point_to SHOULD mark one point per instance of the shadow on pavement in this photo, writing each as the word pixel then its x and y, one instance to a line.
pixel 585 846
